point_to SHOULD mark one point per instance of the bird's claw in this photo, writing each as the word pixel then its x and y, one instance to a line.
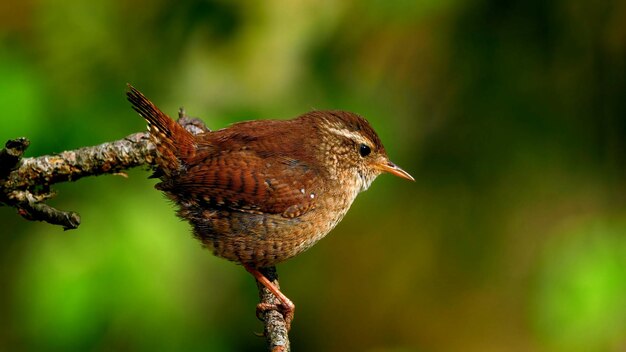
pixel 286 311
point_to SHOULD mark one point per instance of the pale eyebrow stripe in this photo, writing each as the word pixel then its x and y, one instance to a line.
pixel 350 135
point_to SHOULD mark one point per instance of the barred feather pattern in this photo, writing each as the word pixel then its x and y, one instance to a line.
pixel 175 145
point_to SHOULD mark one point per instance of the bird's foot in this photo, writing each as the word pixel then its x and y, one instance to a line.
pixel 285 307
pixel 287 311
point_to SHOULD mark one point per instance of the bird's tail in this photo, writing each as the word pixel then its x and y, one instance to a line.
pixel 173 142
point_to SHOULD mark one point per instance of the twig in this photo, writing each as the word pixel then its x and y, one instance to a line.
pixel 25 182
pixel 25 185
pixel 275 326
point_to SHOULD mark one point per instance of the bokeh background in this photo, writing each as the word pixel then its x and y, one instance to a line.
pixel 510 115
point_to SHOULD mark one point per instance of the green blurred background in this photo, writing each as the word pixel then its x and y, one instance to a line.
pixel 510 115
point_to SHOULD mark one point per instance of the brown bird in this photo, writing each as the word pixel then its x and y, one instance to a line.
pixel 261 192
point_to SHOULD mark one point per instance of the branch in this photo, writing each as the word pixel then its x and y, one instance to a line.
pixel 275 326
pixel 25 185
pixel 25 182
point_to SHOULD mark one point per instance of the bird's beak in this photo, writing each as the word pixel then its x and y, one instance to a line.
pixel 388 166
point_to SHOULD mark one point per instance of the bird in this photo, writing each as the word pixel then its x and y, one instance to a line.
pixel 260 192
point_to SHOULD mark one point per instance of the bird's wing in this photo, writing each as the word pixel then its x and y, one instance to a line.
pixel 249 181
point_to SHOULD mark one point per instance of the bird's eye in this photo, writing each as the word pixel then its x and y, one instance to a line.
pixel 364 150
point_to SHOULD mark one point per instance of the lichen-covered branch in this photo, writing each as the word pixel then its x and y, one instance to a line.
pixel 275 326
pixel 25 184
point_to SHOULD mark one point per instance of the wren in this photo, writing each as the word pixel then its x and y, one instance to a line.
pixel 261 192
